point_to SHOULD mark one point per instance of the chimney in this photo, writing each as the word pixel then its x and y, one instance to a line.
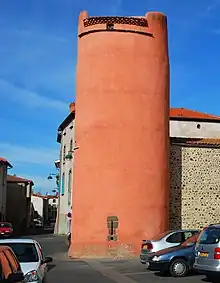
pixel 72 107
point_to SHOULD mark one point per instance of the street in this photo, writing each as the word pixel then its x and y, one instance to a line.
pixel 103 271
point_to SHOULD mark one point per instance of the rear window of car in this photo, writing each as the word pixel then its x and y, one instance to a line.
pixel 160 236
pixel 5 225
pixel 25 252
pixel 209 236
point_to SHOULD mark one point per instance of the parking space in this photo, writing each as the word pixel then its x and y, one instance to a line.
pixel 137 272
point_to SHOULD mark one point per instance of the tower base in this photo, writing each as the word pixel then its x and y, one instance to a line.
pixel 102 250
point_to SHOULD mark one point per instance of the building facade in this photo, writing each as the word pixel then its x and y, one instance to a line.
pixel 45 208
pixel 19 192
pixel 40 206
pixel 53 202
pixel 194 169
pixel 4 165
pixel 67 144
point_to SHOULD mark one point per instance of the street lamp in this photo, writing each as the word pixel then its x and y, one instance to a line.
pixel 69 155
pixel 50 177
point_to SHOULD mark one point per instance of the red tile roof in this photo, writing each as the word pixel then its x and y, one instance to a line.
pixel 45 196
pixel 187 113
pixel 15 179
pixel 72 107
pixel 5 162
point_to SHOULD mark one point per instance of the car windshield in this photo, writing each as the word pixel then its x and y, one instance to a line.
pixel 210 236
pixel 160 236
pixel 25 252
pixel 5 225
pixel 190 241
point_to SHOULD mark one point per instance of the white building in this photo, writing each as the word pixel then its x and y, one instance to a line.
pixel 38 204
pixel 45 207
pixel 53 201
pixel 185 124
pixel 66 139
pixel 4 165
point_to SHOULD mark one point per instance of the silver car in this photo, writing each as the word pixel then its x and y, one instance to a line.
pixel 207 252
pixel 164 240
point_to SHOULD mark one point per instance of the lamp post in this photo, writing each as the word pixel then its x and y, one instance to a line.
pixel 50 176
pixel 69 155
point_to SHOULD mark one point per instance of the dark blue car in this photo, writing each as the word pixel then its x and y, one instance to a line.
pixel 178 261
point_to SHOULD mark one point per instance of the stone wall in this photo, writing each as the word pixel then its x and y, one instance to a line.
pixel 195 186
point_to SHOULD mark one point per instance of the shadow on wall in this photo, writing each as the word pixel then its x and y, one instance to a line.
pixel 175 186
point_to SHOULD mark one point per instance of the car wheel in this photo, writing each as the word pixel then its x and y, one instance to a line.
pixel 179 268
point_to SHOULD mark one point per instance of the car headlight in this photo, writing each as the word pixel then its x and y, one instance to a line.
pixel 156 258
pixel 31 276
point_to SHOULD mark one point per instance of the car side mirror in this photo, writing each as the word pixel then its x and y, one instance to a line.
pixel 47 260
pixel 15 277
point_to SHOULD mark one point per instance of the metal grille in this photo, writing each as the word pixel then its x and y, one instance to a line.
pixel 141 22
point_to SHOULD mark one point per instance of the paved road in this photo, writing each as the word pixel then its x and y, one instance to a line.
pixel 99 271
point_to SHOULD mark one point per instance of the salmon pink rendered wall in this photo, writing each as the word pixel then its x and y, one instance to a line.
pixel 121 167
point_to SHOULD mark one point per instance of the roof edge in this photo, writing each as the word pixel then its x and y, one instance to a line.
pixel 19 180
pixel 64 124
pixel 182 112
pixel 5 162
pixel 191 119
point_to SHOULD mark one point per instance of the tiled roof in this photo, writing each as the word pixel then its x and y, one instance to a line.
pixel 187 113
pixel 4 161
pixel 15 179
pixel 72 107
pixel 45 196
pixel 204 142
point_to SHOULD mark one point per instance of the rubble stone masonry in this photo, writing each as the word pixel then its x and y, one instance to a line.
pixel 195 186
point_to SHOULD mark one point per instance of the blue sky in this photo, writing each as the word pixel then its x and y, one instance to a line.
pixel 38 58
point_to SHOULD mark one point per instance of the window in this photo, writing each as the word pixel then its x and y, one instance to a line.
pixel 54 201
pixel 109 26
pixel 69 187
pixel 63 184
pixel 5 225
pixel 25 252
pixel 177 237
pixel 64 153
pixel 189 234
pixel 190 241
pixel 209 236
pixel 112 223
pixel 71 145
pixel 160 236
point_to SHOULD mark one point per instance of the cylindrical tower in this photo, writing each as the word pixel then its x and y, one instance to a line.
pixel 121 168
